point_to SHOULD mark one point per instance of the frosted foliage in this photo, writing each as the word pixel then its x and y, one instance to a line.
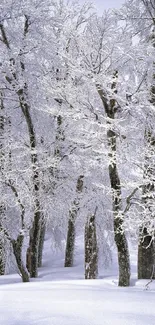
pixel 56 58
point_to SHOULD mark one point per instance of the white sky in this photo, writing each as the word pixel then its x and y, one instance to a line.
pixel 105 4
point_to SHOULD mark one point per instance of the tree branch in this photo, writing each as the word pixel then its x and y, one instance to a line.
pixel 128 199
pixel 14 190
pixel 4 38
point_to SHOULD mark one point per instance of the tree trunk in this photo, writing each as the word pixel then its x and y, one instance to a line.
pixel 70 243
pixel 17 250
pixel 123 253
pixel 2 255
pixel 91 249
pixel 22 93
pixel 69 254
pixel 33 249
pixel 41 244
pixel 37 219
pixel 2 207
pixel 146 256
pixel 146 246
pixel 119 234
pixel 36 228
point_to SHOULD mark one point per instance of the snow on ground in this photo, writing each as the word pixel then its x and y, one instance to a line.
pixel 61 296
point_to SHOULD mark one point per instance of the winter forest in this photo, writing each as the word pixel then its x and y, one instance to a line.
pixel 77 138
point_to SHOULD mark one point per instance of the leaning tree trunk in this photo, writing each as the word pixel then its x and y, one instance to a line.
pixel 22 93
pixel 17 250
pixel 17 244
pixel 110 107
pixel 36 228
pixel 70 243
pixel 91 249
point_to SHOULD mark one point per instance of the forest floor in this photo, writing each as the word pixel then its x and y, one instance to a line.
pixel 61 296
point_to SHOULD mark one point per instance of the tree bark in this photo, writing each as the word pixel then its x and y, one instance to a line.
pixel 146 246
pixel 91 249
pixel 17 249
pixel 2 255
pixel 41 244
pixel 33 249
pixel 70 243
pixel 146 256
pixel 2 207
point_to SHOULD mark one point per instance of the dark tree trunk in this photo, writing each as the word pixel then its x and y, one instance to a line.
pixel 36 228
pixel 110 107
pixel 18 243
pixel 41 243
pixel 2 207
pixel 2 256
pixel 17 250
pixel 123 253
pixel 146 246
pixel 24 103
pixel 69 254
pixel 91 249
pixel 33 249
pixel 146 256
pixel 34 245
pixel 119 234
pixel 70 244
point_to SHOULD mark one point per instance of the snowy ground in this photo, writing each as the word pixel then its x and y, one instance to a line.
pixel 62 297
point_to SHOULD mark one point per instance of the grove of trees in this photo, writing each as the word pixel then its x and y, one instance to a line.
pixel 77 138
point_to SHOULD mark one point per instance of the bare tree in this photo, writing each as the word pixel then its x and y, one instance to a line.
pixel 110 107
